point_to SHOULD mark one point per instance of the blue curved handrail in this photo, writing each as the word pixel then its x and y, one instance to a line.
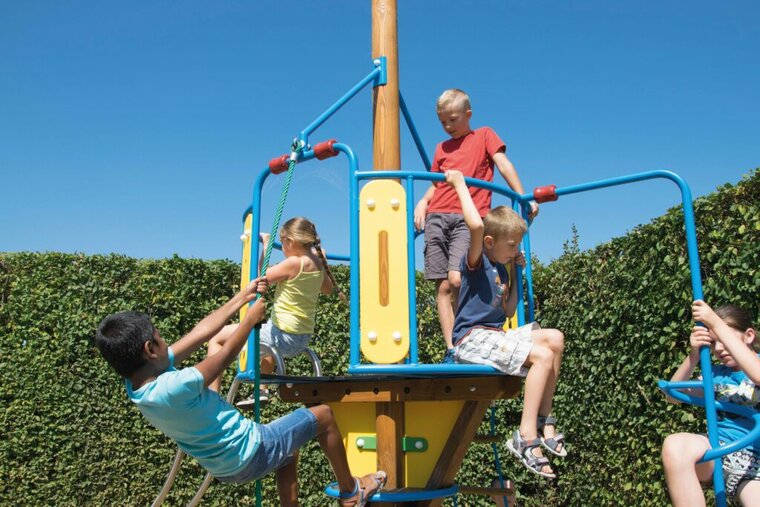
pixel 673 389
pixel 255 208
pixel 411 495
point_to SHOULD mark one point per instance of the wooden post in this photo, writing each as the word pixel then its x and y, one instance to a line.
pixel 385 101
pixel 389 427
pixel 387 155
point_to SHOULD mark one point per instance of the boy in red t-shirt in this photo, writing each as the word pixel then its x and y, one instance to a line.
pixel 474 153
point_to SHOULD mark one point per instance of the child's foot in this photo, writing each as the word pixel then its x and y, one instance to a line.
pixel 553 442
pixel 250 402
pixel 448 357
pixel 529 452
pixel 364 489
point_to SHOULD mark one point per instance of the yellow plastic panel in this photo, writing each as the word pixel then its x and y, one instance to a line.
pixel 511 322
pixel 245 272
pixel 432 420
pixel 384 296
pixel 355 420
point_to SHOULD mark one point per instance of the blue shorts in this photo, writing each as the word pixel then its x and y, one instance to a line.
pixel 280 439
pixel 286 344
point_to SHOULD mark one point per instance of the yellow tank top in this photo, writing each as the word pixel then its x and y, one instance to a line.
pixel 295 302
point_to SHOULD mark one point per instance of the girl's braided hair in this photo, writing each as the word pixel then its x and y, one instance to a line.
pixel 303 231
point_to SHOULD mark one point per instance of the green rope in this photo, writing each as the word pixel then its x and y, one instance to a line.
pixel 296 150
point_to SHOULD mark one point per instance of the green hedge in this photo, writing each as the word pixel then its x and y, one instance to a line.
pixel 71 437
pixel 625 310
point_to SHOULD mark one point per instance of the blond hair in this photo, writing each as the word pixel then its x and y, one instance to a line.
pixel 303 231
pixel 453 99
pixel 503 221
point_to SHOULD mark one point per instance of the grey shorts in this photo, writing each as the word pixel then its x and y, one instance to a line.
pixel 286 344
pixel 506 351
pixel 447 239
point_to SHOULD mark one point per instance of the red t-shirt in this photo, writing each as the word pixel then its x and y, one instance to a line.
pixel 473 155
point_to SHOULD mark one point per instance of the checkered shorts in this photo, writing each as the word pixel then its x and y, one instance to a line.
pixel 506 351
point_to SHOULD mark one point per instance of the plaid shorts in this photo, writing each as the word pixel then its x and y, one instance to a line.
pixel 506 351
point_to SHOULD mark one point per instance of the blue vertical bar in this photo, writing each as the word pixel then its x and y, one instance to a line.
pixel 354 354
pixel 252 345
pixel 411 272
pixel 528 266
pixel 705 361
pixel 518 280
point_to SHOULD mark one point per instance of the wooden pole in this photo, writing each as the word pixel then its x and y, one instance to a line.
pixel 385 101
pixel 387 156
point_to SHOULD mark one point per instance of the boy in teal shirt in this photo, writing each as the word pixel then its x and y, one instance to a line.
pixel 182 406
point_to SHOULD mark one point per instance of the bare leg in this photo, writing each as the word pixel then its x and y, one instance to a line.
pixel 455 283
pixel 331 443
pixel 749 493
pixel 445 310
pixel 287 483
pixel 553 340
pixel 215 344
pixel 680 454
pixel 267 364
pixel 540 361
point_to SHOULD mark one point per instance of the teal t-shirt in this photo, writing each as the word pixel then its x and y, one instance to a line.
pixel 734 386
pixel 202 423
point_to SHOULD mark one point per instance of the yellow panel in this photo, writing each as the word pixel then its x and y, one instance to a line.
pixel 419 417
pixel 245 272
pixel 355 420
pixel 511 322
pixel 384 296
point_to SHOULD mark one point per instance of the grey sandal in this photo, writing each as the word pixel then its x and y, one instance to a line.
pixel 551 444
pixel 523 450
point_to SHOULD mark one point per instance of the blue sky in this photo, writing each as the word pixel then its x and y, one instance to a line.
pixel 139 127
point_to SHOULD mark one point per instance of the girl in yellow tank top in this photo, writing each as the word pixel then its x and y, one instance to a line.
pixel 300 278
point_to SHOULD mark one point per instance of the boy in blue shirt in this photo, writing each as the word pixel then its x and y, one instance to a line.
pixel 180 404
pixel 485 303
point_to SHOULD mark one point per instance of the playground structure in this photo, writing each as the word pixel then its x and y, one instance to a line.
pixel 386 402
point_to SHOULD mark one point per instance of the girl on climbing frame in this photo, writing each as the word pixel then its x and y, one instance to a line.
pixel 300 278
pixel 730 334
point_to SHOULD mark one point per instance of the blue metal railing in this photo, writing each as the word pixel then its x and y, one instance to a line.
pixel 377 77
pixel 673 389
pixel 255 208
pixel 412 367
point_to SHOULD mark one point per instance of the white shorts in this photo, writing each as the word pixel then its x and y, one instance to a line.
pixel 506 351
